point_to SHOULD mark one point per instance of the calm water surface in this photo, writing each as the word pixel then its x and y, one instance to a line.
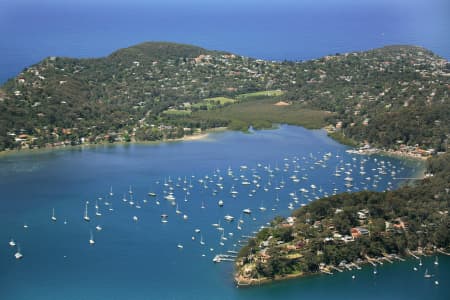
pixel 141 259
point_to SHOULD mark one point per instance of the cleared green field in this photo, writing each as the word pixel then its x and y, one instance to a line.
pixel 221 100
pixel 212 103
pixel 263 114
pixel 260 94
pixel 176 112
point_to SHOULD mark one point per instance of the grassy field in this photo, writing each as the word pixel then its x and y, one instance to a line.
pixel 221 100
pixel 259 95
pixel 176 112
pixel 263 114
pixel 256 109
pixel 212 103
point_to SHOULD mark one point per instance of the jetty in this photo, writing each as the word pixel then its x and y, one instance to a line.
pixel 412 254
pixel 336 268
pixel 395 256
pixel 443 252
pixel 356 266
pixel 371 261
pixel 224 257
pixel 386 258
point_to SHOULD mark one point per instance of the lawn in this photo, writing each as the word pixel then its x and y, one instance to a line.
pixel 212 103
pixel 260 94
pixel 263 114
pixel 176 112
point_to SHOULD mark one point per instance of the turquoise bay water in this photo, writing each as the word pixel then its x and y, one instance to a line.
pixel 140 259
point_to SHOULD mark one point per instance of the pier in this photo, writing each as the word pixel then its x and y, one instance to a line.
pixel 412 254
pixel 337 269
pixel 224 257
pixel 386 258
pixel 443 252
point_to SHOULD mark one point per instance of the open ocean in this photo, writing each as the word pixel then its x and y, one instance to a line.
pixel 285 29
pixel 142 259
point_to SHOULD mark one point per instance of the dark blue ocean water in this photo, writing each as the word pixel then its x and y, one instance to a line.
pixel 283 29
pixel 141 259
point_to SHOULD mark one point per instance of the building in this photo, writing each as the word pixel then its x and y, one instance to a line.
pixel 358 232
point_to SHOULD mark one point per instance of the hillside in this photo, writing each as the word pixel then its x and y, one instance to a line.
pixel 351 229
pixel 151 91
pixel 388 96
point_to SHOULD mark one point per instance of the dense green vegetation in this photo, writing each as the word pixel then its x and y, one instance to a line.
pixel 388 96
pixel 263 113
pixel 410 218
pixel 65 100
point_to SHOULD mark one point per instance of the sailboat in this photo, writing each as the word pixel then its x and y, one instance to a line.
pixel 247 211
pixel 262 208
pixel 427 275
pixel 12 243
pixel 228 218
pixel 91 239
pixel 97 212
pixel 436 262
pixel 201 240
pixel 86 217
pixel 53 215
pixel 111 192
pixel 18 254
pixel 131 202
pixel 164 218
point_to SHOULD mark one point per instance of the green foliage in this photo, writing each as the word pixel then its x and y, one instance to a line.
pixel 396 93
pixel 422 207
pixel 339 137
pixel 387 96
pixel 261 114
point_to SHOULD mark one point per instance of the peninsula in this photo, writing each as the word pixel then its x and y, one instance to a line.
pixel 344 231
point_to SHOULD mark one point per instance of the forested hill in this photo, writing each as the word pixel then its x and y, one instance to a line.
pixel 157 90
pixel 353 228
pixel 395 94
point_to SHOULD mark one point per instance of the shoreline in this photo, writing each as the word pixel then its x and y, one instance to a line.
pixel 205 134
pixel 263 281
pixel 187 138
pixel 253 282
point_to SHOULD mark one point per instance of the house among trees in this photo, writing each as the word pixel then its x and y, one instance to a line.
pixel 358 232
